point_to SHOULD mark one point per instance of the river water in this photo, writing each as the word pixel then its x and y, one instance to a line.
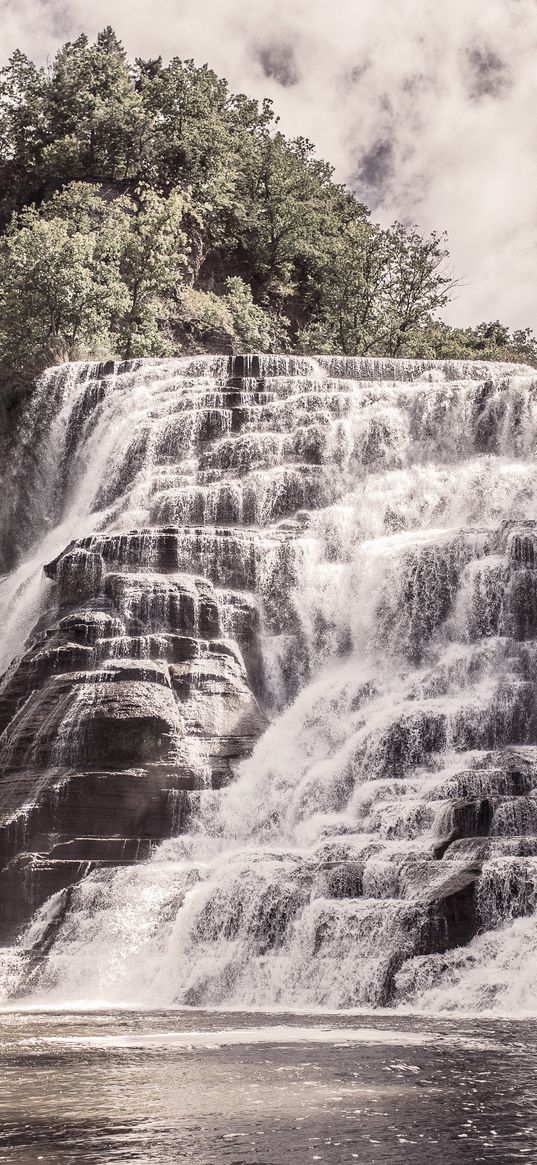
pixel 262 1089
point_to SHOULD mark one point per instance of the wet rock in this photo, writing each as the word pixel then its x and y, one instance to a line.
pixel 141 688
pixel 519 614
pixel 102 712
pixel 79 575
pixel 439 849
pixel 148 804
pixel 27 883
pixel 161 603
pixel 33 669
pixel 340 880
pixel 408 741
pixel 472 818
pixel 451 917
pixel 522 546
pixel 92 723
pixel 467 818
pixel 215 698
pixel 123 723
pixel 86 626
pixel 109 849
pixel 487 418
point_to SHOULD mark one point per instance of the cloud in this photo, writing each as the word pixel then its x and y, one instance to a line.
pixel 278 61
pixel 429 110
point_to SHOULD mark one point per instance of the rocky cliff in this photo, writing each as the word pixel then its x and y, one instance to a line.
pixel 336 559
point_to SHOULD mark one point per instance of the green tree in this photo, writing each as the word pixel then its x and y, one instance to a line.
pixel 152 262
pixel 93 113
pixel 488 341
pixel 246 326
pixel 255 329
pixel 418 284
pixel 286 202
pixel 378 287
pixel 60 282
pixel 201 137
pixel 22 92
pixel 82 278
pixel 145 208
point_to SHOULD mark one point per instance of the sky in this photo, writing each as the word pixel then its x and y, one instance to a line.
pixel 427 108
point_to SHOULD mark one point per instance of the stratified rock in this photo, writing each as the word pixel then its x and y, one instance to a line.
pixel 79 575
pixel 261 519
pixel 451 919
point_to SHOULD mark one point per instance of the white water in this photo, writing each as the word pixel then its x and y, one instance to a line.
pixel 393 615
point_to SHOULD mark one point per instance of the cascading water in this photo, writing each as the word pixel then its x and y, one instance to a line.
pixel 346 547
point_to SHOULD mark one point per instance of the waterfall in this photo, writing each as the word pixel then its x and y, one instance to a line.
pixel 269 731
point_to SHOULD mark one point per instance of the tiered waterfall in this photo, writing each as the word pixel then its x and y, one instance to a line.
pixel 269 713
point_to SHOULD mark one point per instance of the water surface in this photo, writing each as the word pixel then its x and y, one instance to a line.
pixel 234 1088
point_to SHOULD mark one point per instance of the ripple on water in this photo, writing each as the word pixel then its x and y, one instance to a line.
pixel 217 1088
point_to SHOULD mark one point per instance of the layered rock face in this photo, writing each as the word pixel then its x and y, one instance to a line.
pixel 140 681
pixel 268 724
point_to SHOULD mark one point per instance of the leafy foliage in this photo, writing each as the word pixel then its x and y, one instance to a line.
pixel 81 275
pixel 487 341
pixel 378 290
pixel 144 208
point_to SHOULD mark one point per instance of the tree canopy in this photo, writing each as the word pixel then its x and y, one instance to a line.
pixel 146 209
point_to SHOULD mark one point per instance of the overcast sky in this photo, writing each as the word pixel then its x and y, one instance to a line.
pixel 428 108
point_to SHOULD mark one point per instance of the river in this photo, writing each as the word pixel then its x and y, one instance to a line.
pixel 247 1088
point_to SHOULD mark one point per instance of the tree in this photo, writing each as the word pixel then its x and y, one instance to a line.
pixel 255 329
pixel 488 341
pixel 378 287
pixel 81 278
pixel 60 282
pixel 418 285
pixel 93 113
pixel 245 325
pixel 286 199
pixel 152 262
pixel 201 136
pixel 22 91
pixel 146 208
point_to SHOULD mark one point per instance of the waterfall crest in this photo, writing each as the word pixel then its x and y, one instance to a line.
pixel 269 732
